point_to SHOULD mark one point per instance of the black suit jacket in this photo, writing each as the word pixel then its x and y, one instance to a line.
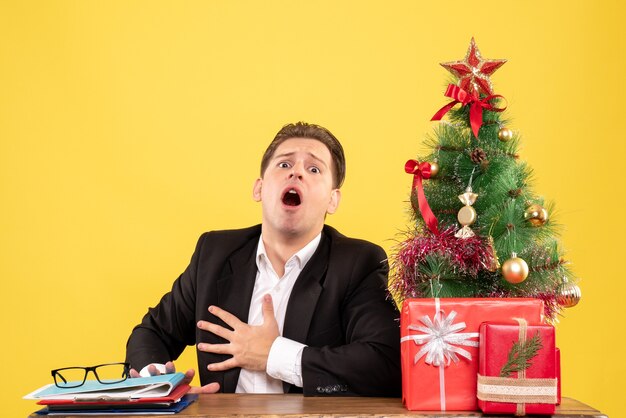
pixel 338 307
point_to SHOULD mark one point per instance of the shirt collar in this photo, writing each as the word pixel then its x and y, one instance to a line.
pixel 301 257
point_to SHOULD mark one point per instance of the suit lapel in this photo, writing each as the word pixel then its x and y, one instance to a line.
pixel 304 296
pixel 234 294
pixel 305 293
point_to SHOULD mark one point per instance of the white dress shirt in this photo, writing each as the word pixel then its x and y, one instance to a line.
pixel 284 362
pixel 285 359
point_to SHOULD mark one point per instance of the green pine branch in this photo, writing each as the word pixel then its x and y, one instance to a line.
pixel 521 355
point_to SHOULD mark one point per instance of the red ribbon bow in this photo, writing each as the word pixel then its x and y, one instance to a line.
pixel 477 105
pixel 422 171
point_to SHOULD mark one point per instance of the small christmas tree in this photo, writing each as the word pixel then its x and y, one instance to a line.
pixel 480 230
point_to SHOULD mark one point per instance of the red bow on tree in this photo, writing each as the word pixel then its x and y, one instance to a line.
pixel 422 171
pixel 476 106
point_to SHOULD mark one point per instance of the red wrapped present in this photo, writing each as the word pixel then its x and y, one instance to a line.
pixel 558 376
pixel 517 368
pixel 440 347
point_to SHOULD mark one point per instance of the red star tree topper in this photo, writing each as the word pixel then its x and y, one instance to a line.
pixel 473 71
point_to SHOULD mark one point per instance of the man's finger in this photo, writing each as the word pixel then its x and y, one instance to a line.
pixel 134 373
pixel 215 348
pixel 224 365
pixel 225 316
pixel 216 329
pixel 268 309
pixel 210 388
pixel 189 374
pixel 170 368
pixel 153 371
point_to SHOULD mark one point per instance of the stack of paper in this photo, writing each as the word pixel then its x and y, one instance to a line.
pixel 164 394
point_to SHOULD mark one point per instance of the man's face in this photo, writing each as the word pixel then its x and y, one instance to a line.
pixel 296 190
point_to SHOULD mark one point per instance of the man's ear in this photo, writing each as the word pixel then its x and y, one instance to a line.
pixel 256 190
pixel 335 197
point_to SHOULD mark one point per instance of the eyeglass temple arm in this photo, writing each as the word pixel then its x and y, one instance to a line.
pixel 56 373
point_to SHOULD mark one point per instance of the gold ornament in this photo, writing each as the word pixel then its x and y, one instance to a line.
pixel 495 263
pixel 505 134
pixel 515 270
pixel 568 294
pixel 434 169
pixel 536 214
pixel 467 214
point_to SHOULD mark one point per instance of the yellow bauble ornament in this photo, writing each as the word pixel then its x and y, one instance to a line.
pixel 537 215
pixel 505 134
pixel 568 294
pixel 515 270
pixel 466 215
pixel 434 169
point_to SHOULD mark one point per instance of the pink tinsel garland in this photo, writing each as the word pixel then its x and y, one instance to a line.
pixel 467 257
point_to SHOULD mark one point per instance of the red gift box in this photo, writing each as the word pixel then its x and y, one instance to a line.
pixel 440 347
pixel 558 376
pixel 504 386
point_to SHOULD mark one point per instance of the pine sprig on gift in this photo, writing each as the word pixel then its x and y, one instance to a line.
pixel 520 356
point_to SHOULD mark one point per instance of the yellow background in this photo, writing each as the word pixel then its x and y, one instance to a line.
pixel 129 127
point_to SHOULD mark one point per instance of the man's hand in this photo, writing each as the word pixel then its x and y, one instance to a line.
pixel 248 345
pixel 189 374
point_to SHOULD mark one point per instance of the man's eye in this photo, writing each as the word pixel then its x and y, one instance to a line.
pixel 283 165
pixel 315 170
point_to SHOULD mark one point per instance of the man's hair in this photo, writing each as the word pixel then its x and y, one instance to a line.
pixel 310 131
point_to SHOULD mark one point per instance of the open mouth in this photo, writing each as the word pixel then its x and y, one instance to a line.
pixel 291 198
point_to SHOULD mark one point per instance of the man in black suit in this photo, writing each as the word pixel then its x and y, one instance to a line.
pixel 290 305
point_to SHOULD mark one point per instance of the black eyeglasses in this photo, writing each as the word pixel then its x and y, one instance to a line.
pixel 73 377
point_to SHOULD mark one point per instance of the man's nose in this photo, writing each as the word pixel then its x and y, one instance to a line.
pixel 297 170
